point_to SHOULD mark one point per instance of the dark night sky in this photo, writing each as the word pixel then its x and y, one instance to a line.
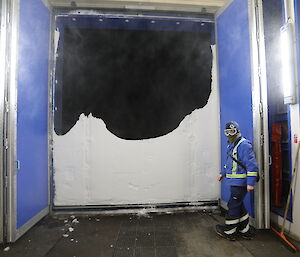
pixel 140 83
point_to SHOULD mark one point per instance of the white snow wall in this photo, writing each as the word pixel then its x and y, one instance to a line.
pixel 94 167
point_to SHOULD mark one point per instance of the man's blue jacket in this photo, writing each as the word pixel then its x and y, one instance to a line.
pixel 236 175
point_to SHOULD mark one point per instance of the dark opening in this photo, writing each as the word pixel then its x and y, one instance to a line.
pixel 141 83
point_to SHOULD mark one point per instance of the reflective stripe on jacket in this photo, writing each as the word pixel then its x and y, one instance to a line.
pixel 236 175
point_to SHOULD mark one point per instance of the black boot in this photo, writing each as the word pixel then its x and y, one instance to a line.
pixel 244 227
pixel 228 231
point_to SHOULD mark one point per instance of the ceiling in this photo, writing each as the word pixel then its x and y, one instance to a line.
pixel 199 6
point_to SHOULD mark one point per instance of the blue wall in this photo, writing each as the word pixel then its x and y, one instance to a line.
pixel 233 43
pixel 32 111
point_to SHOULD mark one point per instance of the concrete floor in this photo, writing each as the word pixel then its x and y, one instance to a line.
pixel 173 235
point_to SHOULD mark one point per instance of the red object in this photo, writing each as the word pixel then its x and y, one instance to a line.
pixel 276 133
pixel 295 139
pixel 276 165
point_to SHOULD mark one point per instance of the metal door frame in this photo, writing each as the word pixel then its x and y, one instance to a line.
pixel 8 60
pixel 260 113
pixel 11 119
pixel 3 46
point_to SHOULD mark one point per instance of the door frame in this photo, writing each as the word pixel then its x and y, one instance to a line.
pixel 3 80
pixel 11 121
pixel 260 113
pixel 9 16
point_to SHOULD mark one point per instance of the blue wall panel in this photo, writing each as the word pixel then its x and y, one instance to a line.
pixel 233 43
pixel 32 111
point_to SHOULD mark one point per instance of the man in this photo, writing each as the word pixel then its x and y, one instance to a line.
pixel 241 173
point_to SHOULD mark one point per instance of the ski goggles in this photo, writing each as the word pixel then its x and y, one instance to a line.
pixel 230 132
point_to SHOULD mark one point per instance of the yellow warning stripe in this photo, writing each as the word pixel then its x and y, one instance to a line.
pixel 252 173
pixel 234 175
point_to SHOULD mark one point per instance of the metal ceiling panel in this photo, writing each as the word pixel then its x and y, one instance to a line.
pixel 203 6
